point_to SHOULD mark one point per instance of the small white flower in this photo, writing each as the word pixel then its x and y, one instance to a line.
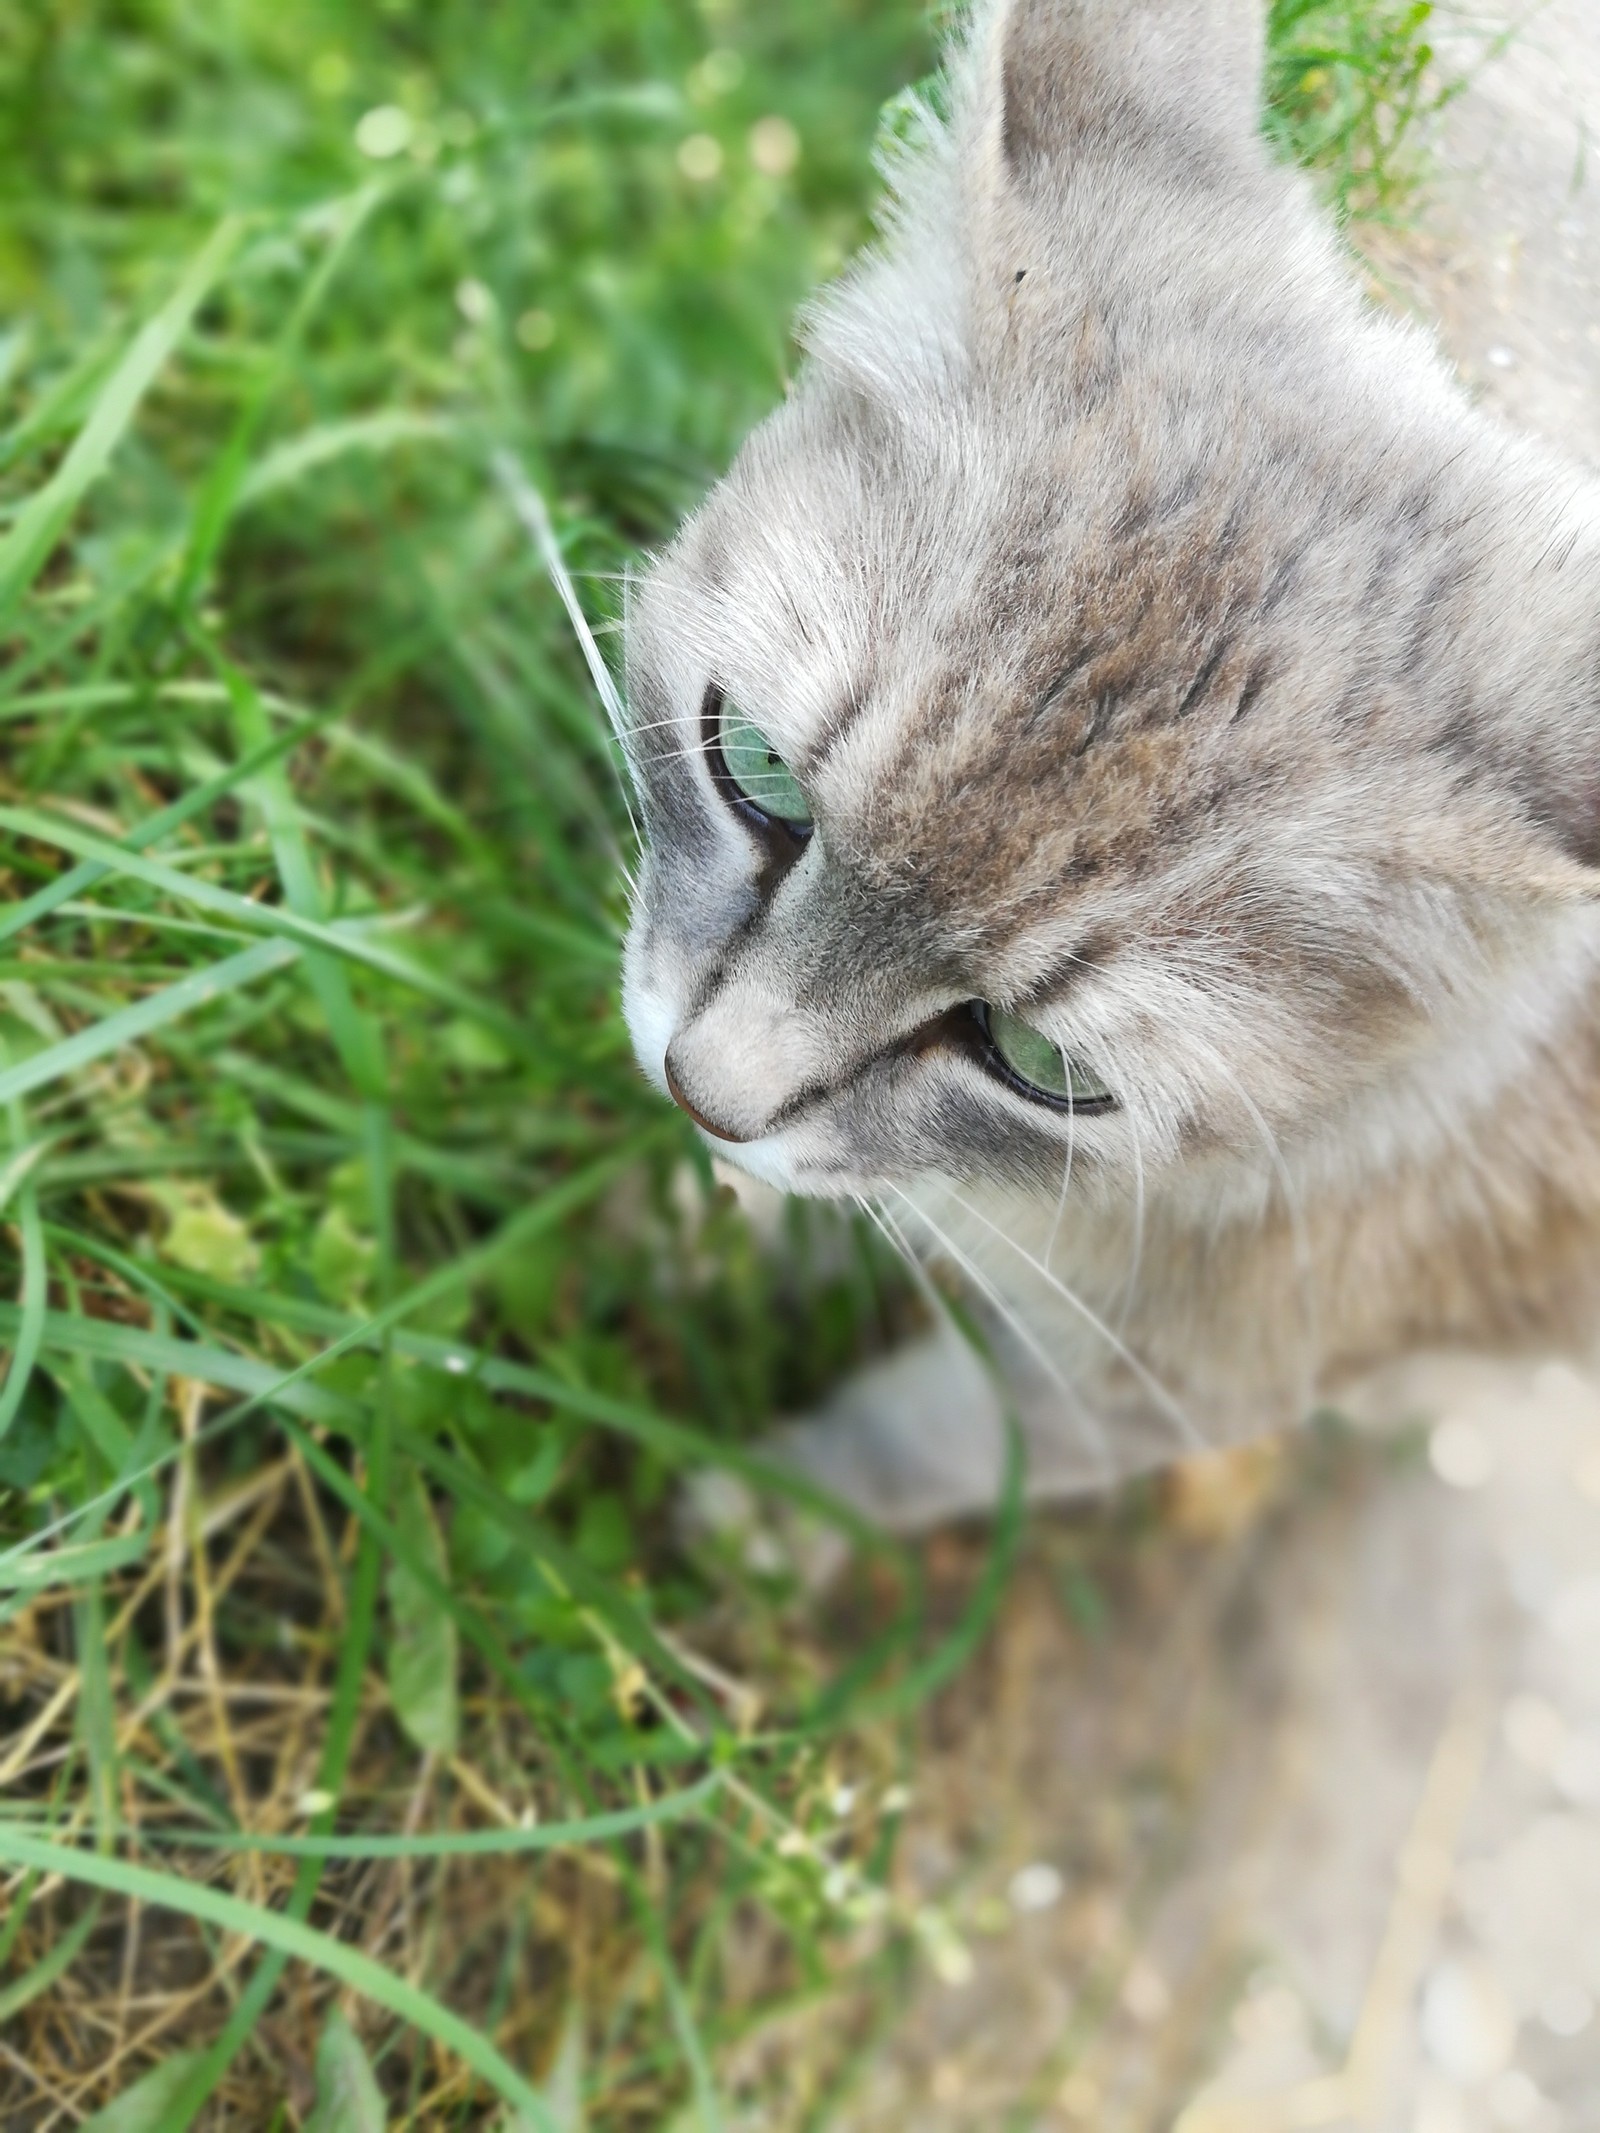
pixel 1038 1887
pixel 474 301
pixel 384 131
pixel 700 158
pixel 774 146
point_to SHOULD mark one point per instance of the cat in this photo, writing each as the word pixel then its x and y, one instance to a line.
pixel 1119 759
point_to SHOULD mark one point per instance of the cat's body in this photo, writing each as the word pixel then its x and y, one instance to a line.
pixel 1174 660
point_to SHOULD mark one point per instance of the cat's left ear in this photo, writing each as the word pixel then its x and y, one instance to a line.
pixel 1061 79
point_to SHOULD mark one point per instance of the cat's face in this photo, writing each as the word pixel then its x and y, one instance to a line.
pixel 1065 736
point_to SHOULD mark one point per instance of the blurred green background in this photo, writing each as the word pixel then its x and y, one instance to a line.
pixel 364 1302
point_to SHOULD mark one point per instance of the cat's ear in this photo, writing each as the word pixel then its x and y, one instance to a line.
pixel 1057 78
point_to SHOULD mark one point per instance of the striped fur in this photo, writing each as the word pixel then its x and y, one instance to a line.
pixel 1173 655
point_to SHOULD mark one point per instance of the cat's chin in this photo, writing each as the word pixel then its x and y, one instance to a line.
pixel 772 1162
pixel 766 1160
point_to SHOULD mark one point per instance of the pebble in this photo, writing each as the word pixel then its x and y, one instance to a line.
pixel 1439 2110
pixel 948 2081
pixel 1274 2015
pixel 1567 2011
pixel 1532 1578
pixel 1468 2028
pixel 1146 1994
pixel 1575 1615
pixel 1535 1732
pixel 1038 1887
pixel 1559 1381
pixel 1461 1455
pixel 1079 2096
pixel 1586 1474
pixel 1576 1770
pixel 1532 1907
pixel 1516 2102
pixel 1503 358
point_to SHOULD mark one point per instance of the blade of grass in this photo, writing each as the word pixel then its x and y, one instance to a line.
pixel 353 1969
pixel 441 1844
pixel 26 548
pixel 117 1031
pixel 302 455
pixel 472 1624
pixel 336 939
pixel 263 1386
pixel 51 1965
pixel 229 479
pixel 677 1443
pixel 352 1033
pixel 355 1649
pixel 194 802
pixel 72 1564
pixel 35 1288
pixel 707 2106
pixel 143 2107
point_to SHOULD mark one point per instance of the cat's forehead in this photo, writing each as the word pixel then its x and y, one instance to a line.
pixel 831 547
pixel 1011 654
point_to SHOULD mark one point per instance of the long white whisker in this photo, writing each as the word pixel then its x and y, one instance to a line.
pixel 1089 1427
pixel 1066 1185
pixel 1170 1407
pixel 903 1249
pixel 529 507
pixel 653 725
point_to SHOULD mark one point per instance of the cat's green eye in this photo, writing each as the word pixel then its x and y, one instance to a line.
pixel 1028 1056
pixel 758 773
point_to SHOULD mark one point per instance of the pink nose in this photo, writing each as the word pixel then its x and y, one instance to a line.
pixel 706 1125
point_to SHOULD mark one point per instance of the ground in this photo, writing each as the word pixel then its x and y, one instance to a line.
pixel 1297 1824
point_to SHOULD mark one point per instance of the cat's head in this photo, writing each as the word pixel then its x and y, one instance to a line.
pixel 1124 701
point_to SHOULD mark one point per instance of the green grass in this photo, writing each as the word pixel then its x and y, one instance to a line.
pixel 364 1302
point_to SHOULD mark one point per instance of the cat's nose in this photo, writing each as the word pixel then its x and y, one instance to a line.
pixel 687 1103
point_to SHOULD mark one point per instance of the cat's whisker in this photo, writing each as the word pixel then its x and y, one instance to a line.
pixel 1066 1186
pixel 1173 1409
pixel 675 755
pixel 904 1250
pixel 654 725
pixel 1089 1425
pixel 529 507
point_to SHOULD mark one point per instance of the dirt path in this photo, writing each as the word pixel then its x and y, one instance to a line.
pixel 1295 1822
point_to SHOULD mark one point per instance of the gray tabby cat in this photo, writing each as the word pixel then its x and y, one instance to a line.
pixel 1120 760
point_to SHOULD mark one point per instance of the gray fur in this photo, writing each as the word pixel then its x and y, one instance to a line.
pixel 1173 655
